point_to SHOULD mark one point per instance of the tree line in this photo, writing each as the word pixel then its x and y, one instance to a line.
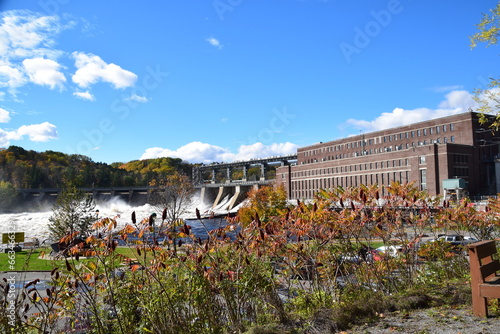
pixel 20 168
pixel 50 169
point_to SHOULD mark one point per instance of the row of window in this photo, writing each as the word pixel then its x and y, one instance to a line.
pixel 384 139
pixel 308 188
pixel 380 150
pixel 352 168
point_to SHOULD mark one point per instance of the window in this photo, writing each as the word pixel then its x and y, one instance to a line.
pixel 431 131
pixel 452 139
pixel 452 127
pixel 413 134
pixel 418 133
pixel 437 129
pixel 445 140
pixel 423 179
pixel 425 132
pixel 421 159
pixel 444 128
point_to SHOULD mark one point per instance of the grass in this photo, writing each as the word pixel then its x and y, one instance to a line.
pixel 27 260
pixel 30 260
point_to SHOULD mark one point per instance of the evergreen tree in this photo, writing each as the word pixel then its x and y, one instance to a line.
pixel 8 196
pixel 72 212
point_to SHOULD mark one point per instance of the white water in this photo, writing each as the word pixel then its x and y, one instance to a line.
pixel 35 224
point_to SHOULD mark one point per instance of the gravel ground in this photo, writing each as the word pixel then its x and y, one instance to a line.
pixel 435 320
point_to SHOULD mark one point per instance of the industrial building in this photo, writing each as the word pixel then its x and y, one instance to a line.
pixel 449 155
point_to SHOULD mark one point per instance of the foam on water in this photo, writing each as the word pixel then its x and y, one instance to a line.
pixel 35 224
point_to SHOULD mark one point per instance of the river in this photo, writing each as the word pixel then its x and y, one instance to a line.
pixel 35 224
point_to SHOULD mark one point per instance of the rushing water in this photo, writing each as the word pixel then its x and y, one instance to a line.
pixel 35 224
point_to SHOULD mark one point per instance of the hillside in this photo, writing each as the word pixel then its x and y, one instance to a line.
pixel 50 169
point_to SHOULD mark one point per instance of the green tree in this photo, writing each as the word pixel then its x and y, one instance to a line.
pixel 72 212
pixel 488 31
pixel 8 196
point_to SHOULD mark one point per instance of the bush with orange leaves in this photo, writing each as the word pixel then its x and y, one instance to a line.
pixel 282 266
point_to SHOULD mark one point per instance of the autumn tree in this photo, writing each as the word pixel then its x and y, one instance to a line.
pixel 174 196
pixel 74 211
pixel 267 202
pixel 488 31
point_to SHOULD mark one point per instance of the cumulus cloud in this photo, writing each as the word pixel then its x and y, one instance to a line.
pixel 35 132
pixel 214 42
pixel 259 150
pixel 4 116
pixel 38 132
pixel 92 69
pixel 195 152
pixel 44 72
pixel 11 77
pixel 28 54
pixel 84 95
pixel 4 138
pixel 455 102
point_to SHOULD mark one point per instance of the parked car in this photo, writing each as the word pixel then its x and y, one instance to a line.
pixel 457 240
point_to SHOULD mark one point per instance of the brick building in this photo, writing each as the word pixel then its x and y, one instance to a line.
pixel 453 147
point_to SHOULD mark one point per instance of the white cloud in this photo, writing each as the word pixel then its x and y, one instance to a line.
pixel 4 138
pixel 192 152
pixel 214 42
pixel 84 95
pixel 455 102
pixel 43 71
pixel 207 153
pixel 259 150
pixel 4 116
pixel 28 55
pixel 138 98
pixel 35 132
pixel 25 34
pixel 38 132
pixel 92 69
pixel 11 77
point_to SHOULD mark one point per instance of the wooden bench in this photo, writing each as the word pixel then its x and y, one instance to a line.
pixel 485 275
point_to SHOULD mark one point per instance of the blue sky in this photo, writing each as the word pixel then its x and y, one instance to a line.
pixel 225 80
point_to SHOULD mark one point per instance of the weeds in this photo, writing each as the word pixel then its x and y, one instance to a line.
pixel 305 268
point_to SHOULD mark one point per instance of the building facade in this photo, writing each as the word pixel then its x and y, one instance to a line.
pixel 427 153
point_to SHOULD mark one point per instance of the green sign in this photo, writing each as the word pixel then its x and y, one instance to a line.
pixel 12 237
